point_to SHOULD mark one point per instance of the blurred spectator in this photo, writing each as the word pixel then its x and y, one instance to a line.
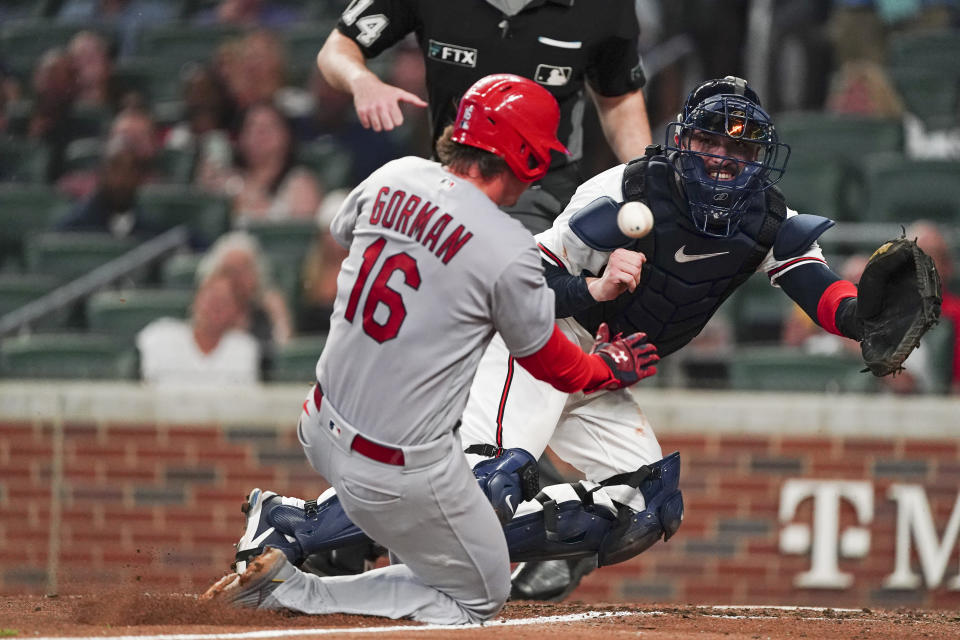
pixel 207 109
pixel 933 241
pixel 54 94
pixel 250 13
pixel 90 55
pixel 208 349
pixel 129 17
pixel 859 32
pixel 112 205
pixel 253 67
pixel 264 311
pixel 264 181
pixel 136 128
pixel 320 270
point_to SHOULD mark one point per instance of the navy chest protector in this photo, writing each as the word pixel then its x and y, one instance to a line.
pixel 687 275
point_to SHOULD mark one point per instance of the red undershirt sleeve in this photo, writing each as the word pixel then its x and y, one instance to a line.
pixel 829 302
pixel 564 365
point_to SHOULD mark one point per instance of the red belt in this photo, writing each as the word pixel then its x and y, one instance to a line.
pixel 368 448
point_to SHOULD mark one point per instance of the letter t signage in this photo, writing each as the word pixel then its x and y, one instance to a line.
pixel 824 540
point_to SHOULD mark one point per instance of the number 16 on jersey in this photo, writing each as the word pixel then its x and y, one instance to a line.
pixel 380 293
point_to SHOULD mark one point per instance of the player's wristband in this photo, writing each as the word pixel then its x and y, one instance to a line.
pixel 847 322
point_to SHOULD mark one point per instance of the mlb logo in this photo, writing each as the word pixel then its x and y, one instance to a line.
pixel 552 76
pixel 334 429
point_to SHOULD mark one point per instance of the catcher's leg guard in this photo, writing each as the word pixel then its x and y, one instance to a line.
pixel 636 532
pixel 507 479
pixel 580 519
pixel 296 527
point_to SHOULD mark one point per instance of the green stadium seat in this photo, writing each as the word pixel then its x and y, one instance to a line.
pixel 23 160
pixel 207 215
pixel 124 312
pixel 83 154
pixel 901 190
pixel 296 361
pixel 32 8
pixel 176 166
pixel 31 38
pixel 180 43
pixel 25 209
pixel 928 95
pixel 69 255
pixel 157 79
pixel 816 136
pixel 815 187
pixel 330 162
pixel 286 240
pixel 938 342
pixel 757 311
pixel 937 51
pixel 179 271
pixel 777 368
pixel 17 289
pixel 302 43
pixel 67 356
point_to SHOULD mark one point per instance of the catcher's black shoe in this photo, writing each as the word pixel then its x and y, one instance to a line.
pixel 550 580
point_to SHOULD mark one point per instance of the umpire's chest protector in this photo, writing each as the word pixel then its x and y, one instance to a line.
pixel 687 275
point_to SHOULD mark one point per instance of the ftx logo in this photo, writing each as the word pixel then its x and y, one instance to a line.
pixel 453 54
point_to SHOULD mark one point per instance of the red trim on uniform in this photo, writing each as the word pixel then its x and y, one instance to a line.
pixel 780 269
pixel 565 366
pixel 378 452
pixel 503 400
pixel 550 255
pixel 830 300
pixel 368 448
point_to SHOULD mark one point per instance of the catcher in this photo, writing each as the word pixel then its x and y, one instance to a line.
pixel 719 220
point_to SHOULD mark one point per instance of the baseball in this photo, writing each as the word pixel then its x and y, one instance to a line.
pixel 635 219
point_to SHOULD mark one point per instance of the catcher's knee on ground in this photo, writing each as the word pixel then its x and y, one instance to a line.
pixel 583 518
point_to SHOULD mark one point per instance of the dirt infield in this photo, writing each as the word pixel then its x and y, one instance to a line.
pixel 158 617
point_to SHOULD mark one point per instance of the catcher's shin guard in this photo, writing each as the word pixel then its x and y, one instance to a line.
pixel 579 521
pixel 298 528
pixel 507 479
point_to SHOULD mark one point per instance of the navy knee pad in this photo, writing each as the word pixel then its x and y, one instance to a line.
pixel 507 480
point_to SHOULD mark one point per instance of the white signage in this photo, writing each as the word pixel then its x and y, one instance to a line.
pixel 826 543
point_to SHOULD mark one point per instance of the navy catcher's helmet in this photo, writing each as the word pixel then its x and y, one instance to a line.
pixel 716 110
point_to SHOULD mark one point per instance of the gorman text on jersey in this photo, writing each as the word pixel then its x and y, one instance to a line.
pixel 411 214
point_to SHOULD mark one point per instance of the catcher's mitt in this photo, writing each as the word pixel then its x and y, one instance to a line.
pixel 898 301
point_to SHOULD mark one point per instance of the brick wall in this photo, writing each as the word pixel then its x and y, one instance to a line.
pixel 157 502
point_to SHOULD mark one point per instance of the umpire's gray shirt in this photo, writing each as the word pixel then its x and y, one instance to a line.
pixel 434 269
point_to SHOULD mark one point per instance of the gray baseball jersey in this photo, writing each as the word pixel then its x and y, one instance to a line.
pixel 434 270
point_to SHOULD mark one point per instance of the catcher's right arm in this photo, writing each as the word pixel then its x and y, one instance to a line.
pixel 898 300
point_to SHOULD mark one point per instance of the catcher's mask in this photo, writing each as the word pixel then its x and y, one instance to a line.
pixel 737 153
pixel 514 118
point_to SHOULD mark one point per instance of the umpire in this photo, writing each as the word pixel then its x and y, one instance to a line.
pixel 572 48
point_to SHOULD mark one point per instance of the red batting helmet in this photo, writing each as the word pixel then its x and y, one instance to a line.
pixel 514 118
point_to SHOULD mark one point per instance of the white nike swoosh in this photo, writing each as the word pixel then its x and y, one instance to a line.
pixel 563 44
pixel 256 542
pixel 507 500
pixel 681 256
